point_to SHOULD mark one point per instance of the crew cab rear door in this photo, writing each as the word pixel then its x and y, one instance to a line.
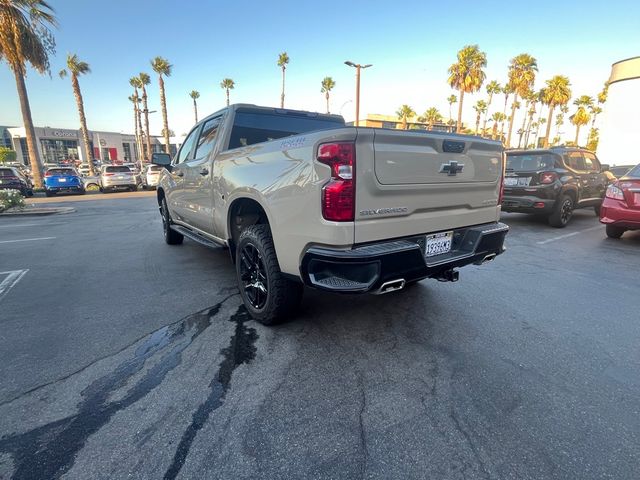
pixel 419 182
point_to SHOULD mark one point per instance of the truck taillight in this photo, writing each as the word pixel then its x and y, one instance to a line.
pixel 339 194
pixel 547 178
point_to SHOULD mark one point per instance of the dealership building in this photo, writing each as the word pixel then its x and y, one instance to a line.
pixel 58 144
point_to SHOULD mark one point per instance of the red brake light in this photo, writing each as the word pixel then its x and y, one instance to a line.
pixel 338 195
pixel 48 174
pixel 548 177
pixel 107 174
pixel 615 192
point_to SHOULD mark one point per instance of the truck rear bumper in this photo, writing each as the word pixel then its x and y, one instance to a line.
pixel 371 267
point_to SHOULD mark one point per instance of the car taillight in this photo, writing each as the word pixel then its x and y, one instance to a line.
pixel 615 192
pixel 339 194
pixel 48 174
pixel 108 174
pixel 548 177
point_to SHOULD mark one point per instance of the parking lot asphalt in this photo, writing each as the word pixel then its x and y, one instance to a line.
pixel 122 357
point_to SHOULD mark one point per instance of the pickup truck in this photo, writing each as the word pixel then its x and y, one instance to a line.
pixel 301 199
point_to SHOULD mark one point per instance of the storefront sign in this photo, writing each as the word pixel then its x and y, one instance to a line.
pixel 59 133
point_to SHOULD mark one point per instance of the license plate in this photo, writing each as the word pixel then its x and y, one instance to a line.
pixel 120 177
pixel 517 181
pixel 63 179
pixel 438 243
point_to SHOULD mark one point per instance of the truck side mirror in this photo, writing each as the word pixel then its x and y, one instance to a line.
pixel 162 159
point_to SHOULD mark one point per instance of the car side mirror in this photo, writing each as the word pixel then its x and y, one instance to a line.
pixel 604 167
pixel 162 159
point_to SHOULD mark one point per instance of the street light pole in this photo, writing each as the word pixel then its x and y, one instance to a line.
pixel 358 67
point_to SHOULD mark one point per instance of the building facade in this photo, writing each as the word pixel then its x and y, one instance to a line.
pixel 57 145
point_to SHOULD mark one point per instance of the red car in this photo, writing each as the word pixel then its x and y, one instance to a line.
pixel 620 209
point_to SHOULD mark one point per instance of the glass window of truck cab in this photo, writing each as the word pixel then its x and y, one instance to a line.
pixel 208 137
pixel 591 162
pixel 188 146
pixel 575 161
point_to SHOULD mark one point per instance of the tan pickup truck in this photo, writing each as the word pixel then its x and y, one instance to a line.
pixel 300 199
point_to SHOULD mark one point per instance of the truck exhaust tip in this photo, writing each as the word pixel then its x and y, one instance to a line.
pixel 391 286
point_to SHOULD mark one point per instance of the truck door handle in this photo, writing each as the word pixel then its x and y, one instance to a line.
pixel 204 172
pixel 179 173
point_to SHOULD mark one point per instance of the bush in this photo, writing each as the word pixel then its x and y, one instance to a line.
pixel 9 199
pixel 7 155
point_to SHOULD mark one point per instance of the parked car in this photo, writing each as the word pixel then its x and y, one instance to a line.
pixel 117 177
pixel 62 180
pixel 302 199
pixel 620 170
pixel 553 182
pixel 12 179
pixel 150 176
pixel 621 207
pixel 83 169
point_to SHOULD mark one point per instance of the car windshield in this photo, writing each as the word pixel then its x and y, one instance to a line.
pixel 58 172
pixel 530 161
pixel 119 169
pixel 634 172
pixel 7 172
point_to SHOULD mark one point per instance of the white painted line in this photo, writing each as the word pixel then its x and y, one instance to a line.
pixel 27 240
pixel 23 225
pixel 562 237
pixel 8 283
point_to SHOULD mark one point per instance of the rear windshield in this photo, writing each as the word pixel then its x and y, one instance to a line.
pixel 7 172
pixel 250 128
pixel 530 162
pixel 634 172
pixel 56 172
pixel 118 169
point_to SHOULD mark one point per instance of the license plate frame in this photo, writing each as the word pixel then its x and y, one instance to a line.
pixel 517 181
pixel 438 243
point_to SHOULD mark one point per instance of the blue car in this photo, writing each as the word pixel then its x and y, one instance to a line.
pixel 62 180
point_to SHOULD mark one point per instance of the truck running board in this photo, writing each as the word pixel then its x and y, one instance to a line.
pixel 196 237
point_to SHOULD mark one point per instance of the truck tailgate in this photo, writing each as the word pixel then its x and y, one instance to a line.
pixel 419 182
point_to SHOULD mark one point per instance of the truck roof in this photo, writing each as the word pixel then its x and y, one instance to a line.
pixel 248 107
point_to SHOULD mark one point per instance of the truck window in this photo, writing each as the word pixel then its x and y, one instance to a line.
pixel 250 128
pixel 208 137
pixel 187 146
pixel 591 162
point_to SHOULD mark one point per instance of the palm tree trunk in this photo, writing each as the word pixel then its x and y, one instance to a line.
pixel 195 110
pixel 577 134
pixel 459 124
pixel 524 122
pixel 548 132
pixel 141 139
pixel 146 124
pixel 484 122
pixel 477 123
pixel 327 97
pixel 282 94
pixel 511 119
pixel 34 157
pixel 165 121
pixel 227 97
pixel 494 132
pixel 135 124
pixel 83 122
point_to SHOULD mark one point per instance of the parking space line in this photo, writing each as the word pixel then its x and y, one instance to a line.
pixel 27 239
pixel 8 283
pixel 22 225
pixel 562 237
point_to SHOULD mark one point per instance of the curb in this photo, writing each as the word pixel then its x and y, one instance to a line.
pixel 34 212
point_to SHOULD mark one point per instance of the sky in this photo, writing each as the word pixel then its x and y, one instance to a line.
pixel 410 44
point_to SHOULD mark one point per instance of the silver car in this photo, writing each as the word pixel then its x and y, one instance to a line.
pixel 117 177
pixel 150 176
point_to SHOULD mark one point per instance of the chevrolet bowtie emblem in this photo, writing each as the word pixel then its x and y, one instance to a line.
pixel 452 168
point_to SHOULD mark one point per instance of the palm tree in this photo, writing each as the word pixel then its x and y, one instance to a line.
pixel 26 38
pixel 556 93
pixel 195 95
pixel 529 127
pixel 431 116
pixel 559 123
pixel 493 88
pixel 76 67
pixel 466 75
pixel 136 84
pixel 327 85
pixel 451 99
pixel 227 84
pixel 404 113
pixel 283 61
pixel 581 117
pixel 522 74
pixel 134 99
pixel 480 107
pixel 162 67
pixel 529 97
pixel 497 117
pixel 144 81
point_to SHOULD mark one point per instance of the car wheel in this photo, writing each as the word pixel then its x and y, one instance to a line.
pixel 562 212
pixel 268 295
pixel 48 193
pixel 93 187
pixel 614 232
pixel 171 237
pixel 30 193
pixel 133 189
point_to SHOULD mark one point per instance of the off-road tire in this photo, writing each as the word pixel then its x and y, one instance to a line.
pixel 562 212
pixel 283 295
pixel 171 237
pixel 614 232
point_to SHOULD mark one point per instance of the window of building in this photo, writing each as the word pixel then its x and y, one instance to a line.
pixel 126 148
pixel 54 151
pixel 25 151
pixel 104 154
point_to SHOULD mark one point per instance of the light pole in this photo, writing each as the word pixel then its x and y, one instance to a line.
pixel 357 66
